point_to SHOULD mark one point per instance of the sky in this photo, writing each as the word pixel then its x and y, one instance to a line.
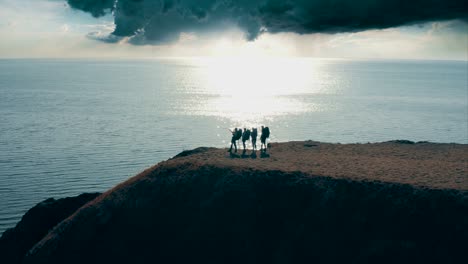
pixel 367 29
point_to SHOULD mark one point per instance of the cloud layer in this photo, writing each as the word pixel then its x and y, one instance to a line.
pixel 162 21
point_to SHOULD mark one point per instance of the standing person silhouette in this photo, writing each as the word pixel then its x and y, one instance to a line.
pixel 263 137
pixel 233 140
pixel 239 134
pixel 245 136
pixel 254 135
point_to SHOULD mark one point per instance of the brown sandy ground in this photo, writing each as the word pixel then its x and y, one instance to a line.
pixel 433 165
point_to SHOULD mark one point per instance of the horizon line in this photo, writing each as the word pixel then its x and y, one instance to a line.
pixel 231 58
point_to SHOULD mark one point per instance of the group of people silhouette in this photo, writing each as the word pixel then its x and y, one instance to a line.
pixel 246 135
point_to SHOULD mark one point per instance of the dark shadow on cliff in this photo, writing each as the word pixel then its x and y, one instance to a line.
pixel 234 155
pixel 221 215
pixel 253 155
pixel 36 223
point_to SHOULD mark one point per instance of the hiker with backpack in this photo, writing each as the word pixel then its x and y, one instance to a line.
pixel 233 140
pixel 263 137
pixel 254 138
pixel 239 134
pixel 236 135
pixel 245 136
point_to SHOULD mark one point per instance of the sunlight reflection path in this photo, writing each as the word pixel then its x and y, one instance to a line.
pixel 251 91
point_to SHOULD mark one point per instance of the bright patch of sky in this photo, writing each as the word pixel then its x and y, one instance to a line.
pixel 51 29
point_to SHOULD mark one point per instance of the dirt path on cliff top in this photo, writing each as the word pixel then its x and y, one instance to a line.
pixel 433 165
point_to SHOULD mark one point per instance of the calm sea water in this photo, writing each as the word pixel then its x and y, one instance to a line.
pixel 73 126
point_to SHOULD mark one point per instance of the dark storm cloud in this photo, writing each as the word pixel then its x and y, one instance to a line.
pixel 96 8
pixel 158 21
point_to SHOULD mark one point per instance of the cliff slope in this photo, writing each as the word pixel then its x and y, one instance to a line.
pixel 36 223
pixel 302 202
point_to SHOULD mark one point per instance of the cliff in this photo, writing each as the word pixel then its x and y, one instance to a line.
pixel 390 202
pixel 36 223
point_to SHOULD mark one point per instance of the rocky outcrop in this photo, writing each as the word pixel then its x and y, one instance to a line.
pixel 187 153
pixel 207 214
pixel 36 223
pixel 306 202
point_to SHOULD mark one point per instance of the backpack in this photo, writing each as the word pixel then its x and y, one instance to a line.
pixel 246 135
pixel 238 134
pixel 254 133
pixel 267 132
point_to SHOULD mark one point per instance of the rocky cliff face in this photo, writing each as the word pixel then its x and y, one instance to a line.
pixel 206 206
pixel 36 223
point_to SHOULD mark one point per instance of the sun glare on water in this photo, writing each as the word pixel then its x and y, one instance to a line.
pixel 249 91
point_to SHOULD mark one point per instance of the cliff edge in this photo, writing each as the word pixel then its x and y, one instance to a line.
pixel 390 202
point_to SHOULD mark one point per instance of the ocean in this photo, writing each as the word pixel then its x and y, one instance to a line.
pixel 74 126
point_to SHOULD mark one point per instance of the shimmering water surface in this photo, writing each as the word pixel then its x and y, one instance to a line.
pixel 73 126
